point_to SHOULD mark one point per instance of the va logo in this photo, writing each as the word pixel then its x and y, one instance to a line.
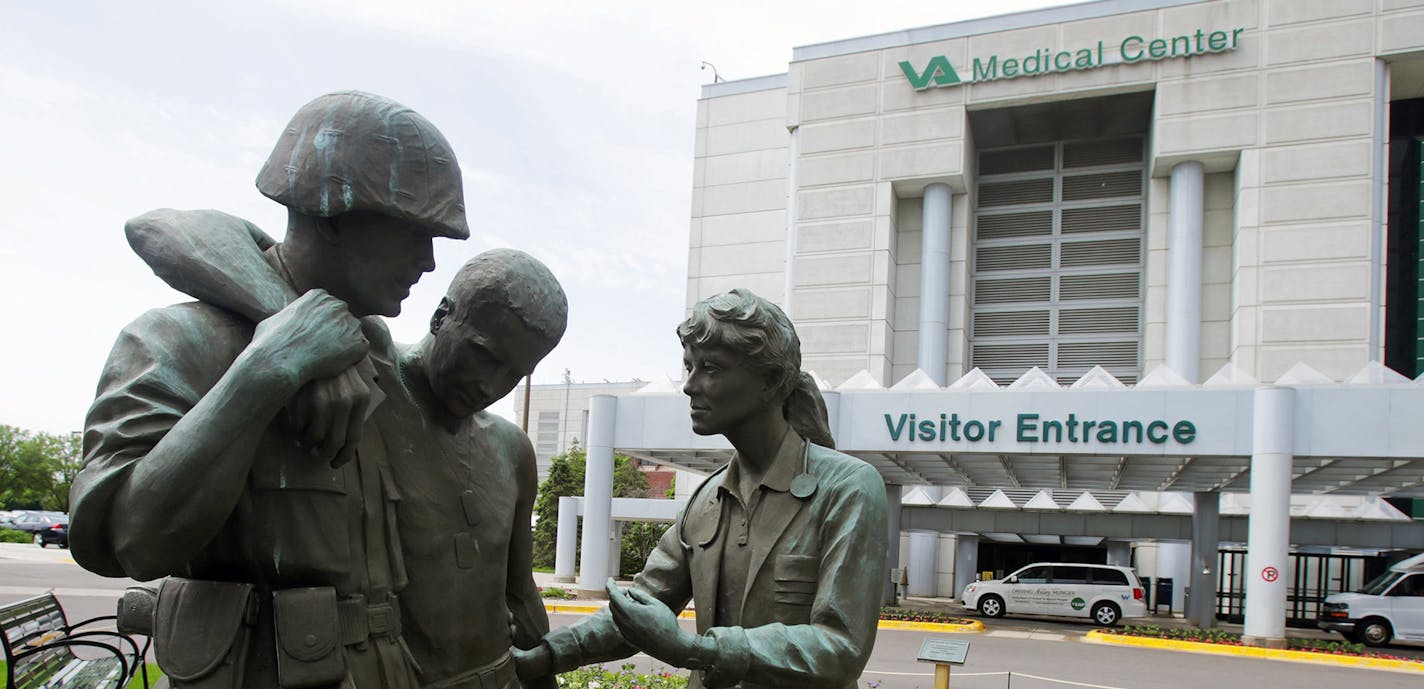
pixel 938 71
pixel 1078 603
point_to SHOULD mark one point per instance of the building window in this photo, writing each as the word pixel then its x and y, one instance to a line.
pixel 1057 259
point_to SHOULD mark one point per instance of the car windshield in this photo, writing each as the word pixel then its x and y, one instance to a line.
pixel 1380 584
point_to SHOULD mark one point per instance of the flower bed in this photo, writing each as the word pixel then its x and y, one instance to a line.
pixel 1225 638
pixel 908 615
pixel 557 593
pixel 599 677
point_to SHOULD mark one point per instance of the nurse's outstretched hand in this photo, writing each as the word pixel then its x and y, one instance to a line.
pixel 647 623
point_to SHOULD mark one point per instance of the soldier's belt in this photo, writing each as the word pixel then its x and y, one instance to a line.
pixel 496 674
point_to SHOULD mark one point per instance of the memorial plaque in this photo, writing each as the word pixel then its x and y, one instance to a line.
pixel 938 649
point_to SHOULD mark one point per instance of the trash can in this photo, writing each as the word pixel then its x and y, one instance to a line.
pixel 1162 594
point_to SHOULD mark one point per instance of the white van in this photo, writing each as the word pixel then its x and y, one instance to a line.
pixel 1390 607
pixel 1105 593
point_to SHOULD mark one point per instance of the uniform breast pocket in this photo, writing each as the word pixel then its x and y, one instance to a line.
pixel 795 581
pixel 299 506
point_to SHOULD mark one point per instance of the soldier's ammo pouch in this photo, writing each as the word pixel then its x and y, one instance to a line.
pixel 202 630
pixel 136 610
pixel 309 650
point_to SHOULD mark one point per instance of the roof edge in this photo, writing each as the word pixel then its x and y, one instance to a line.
pixel 748 85
pixel 972 27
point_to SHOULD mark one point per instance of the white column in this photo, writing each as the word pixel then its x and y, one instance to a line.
pixel 615 552
pixel 892 523
pixel 598 494
pixel 924 546
pixel 1174 561
pixel 791 192
pixel 923 555
pixel 1268 527
pixel 933 354
pixel 1120 553
pixel 1206 541
pixel 1379 208
pixel 1184 270
pixel 566 550
pixel 966 561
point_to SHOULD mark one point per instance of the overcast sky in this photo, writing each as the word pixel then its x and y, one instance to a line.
pixel 573 123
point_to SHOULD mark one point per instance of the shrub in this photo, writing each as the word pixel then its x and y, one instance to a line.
pixel 13 536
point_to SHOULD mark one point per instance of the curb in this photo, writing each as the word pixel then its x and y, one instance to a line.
pixel 961 627
pixel 1096 636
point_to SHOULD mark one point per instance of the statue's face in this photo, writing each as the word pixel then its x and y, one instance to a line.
pixel 381 257
pixel 479 356
pixel 723 390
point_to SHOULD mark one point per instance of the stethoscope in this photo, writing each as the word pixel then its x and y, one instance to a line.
pixel 803 486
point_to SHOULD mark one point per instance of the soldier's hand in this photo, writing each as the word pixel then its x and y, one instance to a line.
pixel 533 663
pixel 329 413
pixel 313 337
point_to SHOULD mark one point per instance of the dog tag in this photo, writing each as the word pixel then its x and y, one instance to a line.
pixel 467 551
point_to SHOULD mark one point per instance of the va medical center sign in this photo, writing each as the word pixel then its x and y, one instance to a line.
pixel 940 72
pixel 1166 422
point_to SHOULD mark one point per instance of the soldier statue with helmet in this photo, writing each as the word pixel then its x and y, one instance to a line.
pixel 206 460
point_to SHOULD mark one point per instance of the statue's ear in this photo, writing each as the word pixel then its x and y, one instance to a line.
pixel 441 311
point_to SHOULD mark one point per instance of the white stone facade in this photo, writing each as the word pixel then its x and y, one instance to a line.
pixel 807 186
pixel 558 414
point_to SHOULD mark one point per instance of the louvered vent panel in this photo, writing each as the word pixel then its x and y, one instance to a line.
pixel 1122 319
pixel 1104 185
pixel 1010 225
pixel 1078 277
pixel 1102 253
pixel 1012 291
pixel 1103 219
pixel 1025 257
pixel 1016 160
pixel 1090 153
pixel 1019 357
pixel 1115 286
pixel 1002 323
pixel 1015 193
pixel 1105 354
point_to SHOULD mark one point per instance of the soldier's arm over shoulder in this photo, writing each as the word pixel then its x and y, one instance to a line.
pixel 169 440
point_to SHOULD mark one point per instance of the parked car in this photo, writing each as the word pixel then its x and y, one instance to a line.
pixel 1389 607
pixel 35 521
pixel 56 534
pixel 1105 593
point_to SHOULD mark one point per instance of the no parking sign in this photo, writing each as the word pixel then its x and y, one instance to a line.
pixel 1270 574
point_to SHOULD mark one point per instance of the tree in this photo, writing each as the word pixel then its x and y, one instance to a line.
pixel 36 469
pixel 566 475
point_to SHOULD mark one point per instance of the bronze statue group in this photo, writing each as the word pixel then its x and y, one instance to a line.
pixel 322 507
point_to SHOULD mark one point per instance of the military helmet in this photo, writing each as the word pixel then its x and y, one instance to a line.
pixel 352 151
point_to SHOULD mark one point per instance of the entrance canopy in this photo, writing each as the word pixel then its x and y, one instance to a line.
pixel 1361 436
